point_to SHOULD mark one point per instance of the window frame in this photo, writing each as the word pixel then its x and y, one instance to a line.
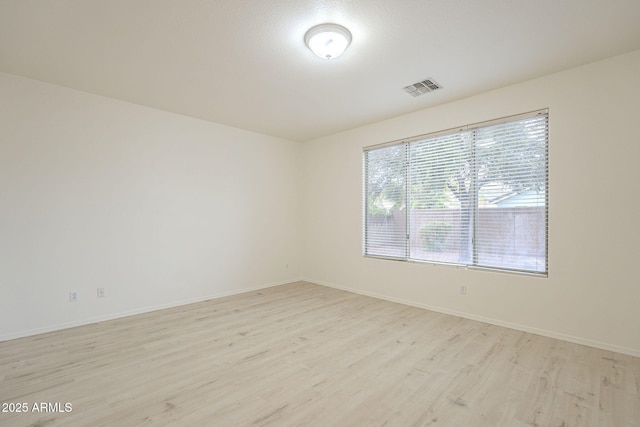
pixel 473 264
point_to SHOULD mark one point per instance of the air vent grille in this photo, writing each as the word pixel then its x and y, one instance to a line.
pixel 422 87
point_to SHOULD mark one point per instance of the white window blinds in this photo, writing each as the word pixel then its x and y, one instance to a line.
pixel 385 201
pixel 475 197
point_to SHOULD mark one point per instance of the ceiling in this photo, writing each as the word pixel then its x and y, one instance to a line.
pixel 243 63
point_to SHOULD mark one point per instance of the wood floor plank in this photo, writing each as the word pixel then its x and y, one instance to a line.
pixel 307 355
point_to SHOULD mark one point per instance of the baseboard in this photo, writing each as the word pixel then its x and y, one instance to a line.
pixel 497 322
pixel 113 316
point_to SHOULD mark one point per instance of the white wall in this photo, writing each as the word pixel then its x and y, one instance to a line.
pixel 161 209
pixel 592 294
pixel 157 208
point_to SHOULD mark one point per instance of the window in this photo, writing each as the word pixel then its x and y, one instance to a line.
pixel 475 196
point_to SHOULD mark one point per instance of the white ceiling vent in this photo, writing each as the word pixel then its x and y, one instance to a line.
pixel 420 88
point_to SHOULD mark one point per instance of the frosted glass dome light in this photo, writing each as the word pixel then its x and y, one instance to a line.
pixel 328 41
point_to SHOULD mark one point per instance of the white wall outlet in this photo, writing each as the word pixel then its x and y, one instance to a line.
pixel 463 289
pixel 74 296
pixel 100 292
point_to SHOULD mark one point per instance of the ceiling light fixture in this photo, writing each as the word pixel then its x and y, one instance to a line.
pixel 328 41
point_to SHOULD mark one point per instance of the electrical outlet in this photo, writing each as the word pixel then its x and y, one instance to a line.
pixel 100 292
pixel 74 296
pixel 463 289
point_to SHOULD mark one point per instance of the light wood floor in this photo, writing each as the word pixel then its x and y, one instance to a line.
pixel 307 355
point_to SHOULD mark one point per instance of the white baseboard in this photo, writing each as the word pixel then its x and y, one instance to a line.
pixel 497 322
pixel 516 326
pixel 97 319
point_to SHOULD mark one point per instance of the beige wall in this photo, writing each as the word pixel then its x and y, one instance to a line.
pixel 158 209
pixel 592 293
